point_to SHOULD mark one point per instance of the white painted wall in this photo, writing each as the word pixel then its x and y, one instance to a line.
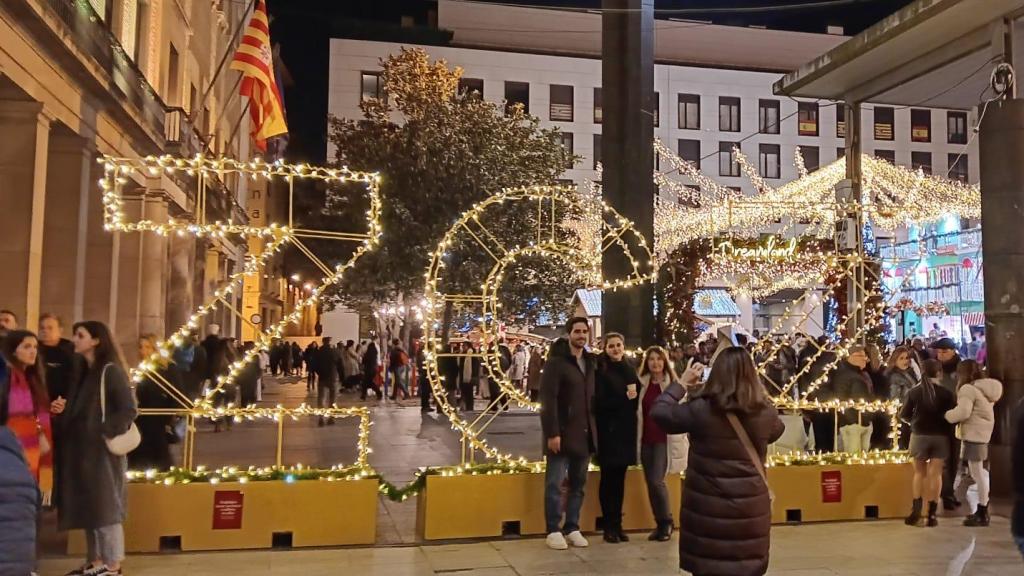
pixel 340 324
pixel 349 58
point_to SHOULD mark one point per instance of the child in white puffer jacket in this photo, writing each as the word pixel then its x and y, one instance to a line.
pixel 975 418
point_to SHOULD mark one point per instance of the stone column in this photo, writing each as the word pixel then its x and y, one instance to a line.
pixel 68 183
pixel 1002 210
pixel 628 154
pixel 154 273
pixel 99 272
pixel 23 156
pixel 128 255
pixel 181 267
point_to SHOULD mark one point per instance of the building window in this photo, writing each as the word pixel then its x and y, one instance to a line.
pixel 921 125
pixel 517 93
pixel 728 114
pixel 840 120
pixel 812 160
pixel 689 111
pixel 657 109
pixel 689 151
pixel 173 77
pixel 887 155
pixel 657 161
pixel 561 103
pixel 840 153
pixel 768 116
pixel 565 138
pixel 597 150
pixel 958 167
pixel 770 160
pixel 598 113
pixel 921 160
pixel 727 165
pixel 883 123
pixel 372 87
pixel 472 86
pixel 735 188
pixel 807 118
pixel 956 127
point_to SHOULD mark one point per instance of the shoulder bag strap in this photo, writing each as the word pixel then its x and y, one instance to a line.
pixel 747 445
pixel 103 394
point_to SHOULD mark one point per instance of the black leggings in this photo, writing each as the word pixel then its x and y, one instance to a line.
pixel 612 489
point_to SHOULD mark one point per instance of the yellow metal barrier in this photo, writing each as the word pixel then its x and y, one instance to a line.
pixel 226 516
pixel 485 505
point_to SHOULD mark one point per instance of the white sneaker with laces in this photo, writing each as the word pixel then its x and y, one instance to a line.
pixel 577 539
pixel 557 542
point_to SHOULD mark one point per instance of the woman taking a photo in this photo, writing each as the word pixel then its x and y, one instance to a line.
pixel 925 410
pixel 615 404
pixel 974 415
pixel 725 522
pixel 901 378
pixel 93 486
pixel 155 450
pixel 29 407
pixel 660 453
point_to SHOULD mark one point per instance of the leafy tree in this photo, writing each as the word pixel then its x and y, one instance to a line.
pixel 439 150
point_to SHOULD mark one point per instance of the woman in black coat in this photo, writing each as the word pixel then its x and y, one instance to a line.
pixel 725 521
pixel 93 494
pixel 615 404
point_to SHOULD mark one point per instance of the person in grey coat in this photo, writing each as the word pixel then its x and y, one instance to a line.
pixel 93 490
pixel 19 502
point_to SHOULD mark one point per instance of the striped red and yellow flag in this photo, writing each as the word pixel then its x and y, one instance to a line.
pixel 255 60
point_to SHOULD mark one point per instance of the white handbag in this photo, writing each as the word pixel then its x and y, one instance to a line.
pixel 121 444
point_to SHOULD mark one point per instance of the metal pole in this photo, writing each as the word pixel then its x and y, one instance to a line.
pixel 280 439
pixel 223 60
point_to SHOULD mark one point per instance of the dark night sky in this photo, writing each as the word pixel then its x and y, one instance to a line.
pixel 304 28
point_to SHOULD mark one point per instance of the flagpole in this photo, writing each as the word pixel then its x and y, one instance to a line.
pixel 223 60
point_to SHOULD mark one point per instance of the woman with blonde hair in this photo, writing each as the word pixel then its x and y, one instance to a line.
pixel 974 416
pixel 659 453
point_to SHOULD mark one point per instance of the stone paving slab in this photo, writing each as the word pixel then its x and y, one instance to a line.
pixel 883 548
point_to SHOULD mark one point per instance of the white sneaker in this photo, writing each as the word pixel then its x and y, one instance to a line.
pixel 577 539
pixel 557 542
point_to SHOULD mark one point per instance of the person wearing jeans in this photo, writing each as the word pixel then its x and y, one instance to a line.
pixel 655 446
pixel 570 434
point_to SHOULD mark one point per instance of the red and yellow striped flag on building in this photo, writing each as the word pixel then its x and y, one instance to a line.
pixel 255 60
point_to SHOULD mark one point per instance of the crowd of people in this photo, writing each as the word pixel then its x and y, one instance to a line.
pixel 671 414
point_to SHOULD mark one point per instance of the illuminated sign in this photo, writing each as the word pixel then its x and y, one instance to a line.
pixel 770 249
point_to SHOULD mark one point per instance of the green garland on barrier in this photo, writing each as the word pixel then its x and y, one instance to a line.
pixel 397 493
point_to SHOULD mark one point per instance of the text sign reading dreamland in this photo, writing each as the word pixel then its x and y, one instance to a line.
pixel 766 249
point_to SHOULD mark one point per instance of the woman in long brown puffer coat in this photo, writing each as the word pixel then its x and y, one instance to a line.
pixel 725 522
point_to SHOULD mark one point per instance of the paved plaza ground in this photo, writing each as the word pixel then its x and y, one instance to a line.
pixel 404 439
pixel 837 549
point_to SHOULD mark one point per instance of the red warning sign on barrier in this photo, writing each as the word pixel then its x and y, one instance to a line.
pixel 227 510
pixel 831 486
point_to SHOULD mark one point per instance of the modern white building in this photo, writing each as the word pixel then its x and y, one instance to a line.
pixel 713 88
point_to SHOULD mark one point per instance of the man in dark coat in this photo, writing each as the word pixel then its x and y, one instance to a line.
pixel 570 433
pixel 1017 457
pixel 851 382
pixel 19 503
pixel 946 353
pixel 324 362
pixel 59 358
pixel 448 366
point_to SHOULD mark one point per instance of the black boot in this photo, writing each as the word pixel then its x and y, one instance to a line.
pixel 979 518
pixel 663 533
pixel 950 503
pixel 611 536
pixel 915 513
pixel 933 512
pixel 622 536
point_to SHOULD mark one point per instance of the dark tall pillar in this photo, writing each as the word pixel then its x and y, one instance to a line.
pixel 627 154
pixel 1002 210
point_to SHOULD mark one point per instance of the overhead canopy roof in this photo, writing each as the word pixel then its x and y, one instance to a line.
pixel 934 53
